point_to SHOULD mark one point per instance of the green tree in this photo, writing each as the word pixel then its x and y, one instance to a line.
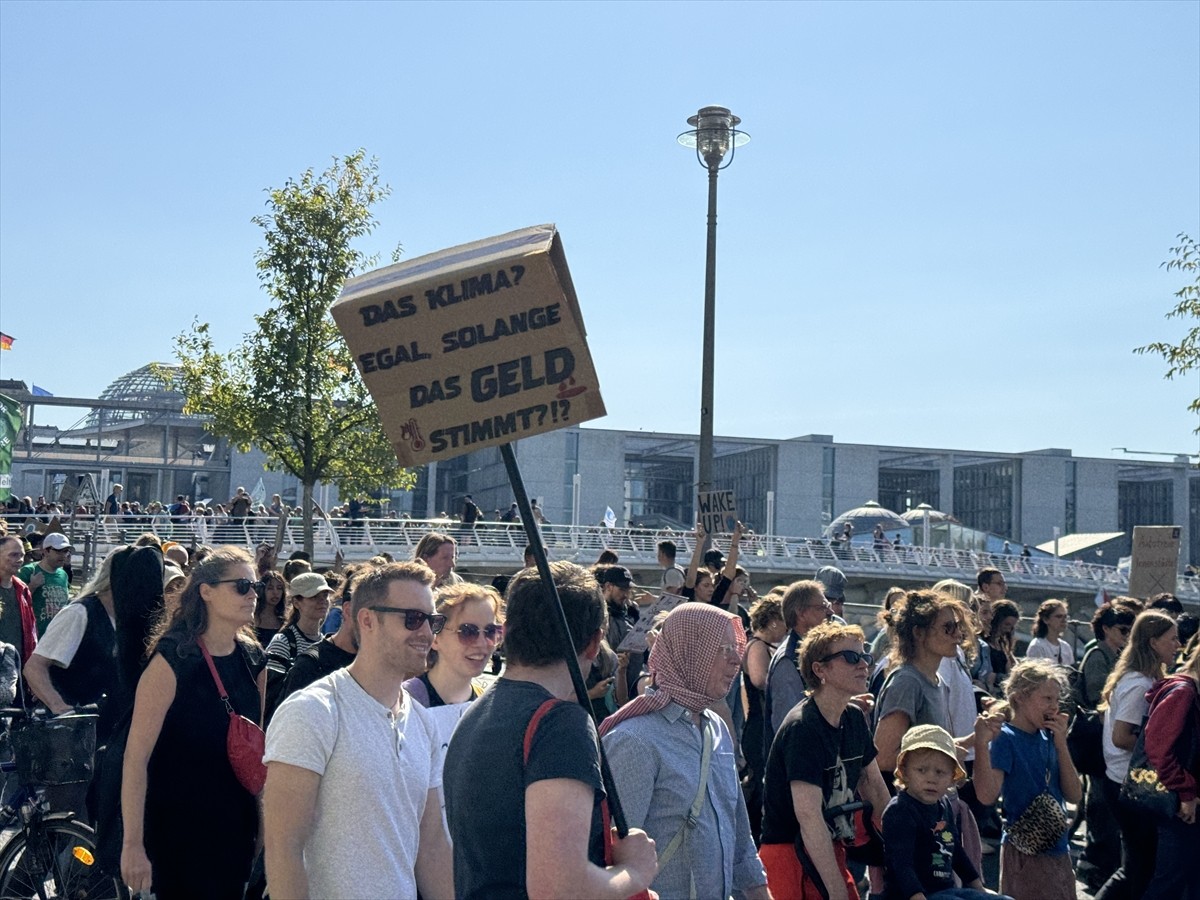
pixel 290 386
pixel 1183 357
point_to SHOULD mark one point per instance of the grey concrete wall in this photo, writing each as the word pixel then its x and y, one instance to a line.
pixel 855 477
pixel 1095 495
pixel 798 488
pixel 1043 490
pixel 602 467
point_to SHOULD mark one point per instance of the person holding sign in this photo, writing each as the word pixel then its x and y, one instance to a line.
pixel 533 826
pixel 673 761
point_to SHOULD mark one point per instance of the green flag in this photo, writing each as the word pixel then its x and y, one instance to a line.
pixel 10 424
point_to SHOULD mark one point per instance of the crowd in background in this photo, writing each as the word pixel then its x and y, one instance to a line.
pixel 763 743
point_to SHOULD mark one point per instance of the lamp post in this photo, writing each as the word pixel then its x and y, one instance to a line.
pixel 714 134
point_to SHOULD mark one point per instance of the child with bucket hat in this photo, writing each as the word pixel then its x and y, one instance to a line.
pixel 921 840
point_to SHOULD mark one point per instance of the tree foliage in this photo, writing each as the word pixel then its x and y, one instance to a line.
pixel 1183 357
pixel 291 386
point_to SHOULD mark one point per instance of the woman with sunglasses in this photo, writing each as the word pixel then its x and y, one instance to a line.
pixel 462 650
pixel 190 826
pixel 821 757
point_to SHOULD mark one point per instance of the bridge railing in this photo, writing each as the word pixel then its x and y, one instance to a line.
pixel 502 544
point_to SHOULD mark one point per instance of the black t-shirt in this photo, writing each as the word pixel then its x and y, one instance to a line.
pixel 807 748
pixel 922 847
pixel 485 779
pixel 315 663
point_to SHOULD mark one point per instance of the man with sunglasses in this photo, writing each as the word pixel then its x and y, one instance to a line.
pixel 351 807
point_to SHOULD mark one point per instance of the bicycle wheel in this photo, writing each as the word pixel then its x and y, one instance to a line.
pixel 57 862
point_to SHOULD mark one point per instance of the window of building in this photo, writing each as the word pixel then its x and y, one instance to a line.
pixel 660 481
pixel 749 473
pixel 1069 509
pixel 903 489
pixel 1145 503
pixel 983 496
pixel 828 459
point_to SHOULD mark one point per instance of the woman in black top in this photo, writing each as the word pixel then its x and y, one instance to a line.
pixel 1001 640
pixel 190 826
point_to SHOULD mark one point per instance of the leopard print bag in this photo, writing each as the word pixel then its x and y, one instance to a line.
pixel 1043 823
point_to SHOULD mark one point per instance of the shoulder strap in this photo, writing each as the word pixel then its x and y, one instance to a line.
pixel 693 816
pixel 532 727
pixel 212 667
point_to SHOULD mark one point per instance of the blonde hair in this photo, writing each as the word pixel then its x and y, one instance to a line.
pixel 1030 674
pixel 1138 655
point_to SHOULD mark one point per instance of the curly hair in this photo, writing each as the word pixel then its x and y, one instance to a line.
pixel 816 646
pixel 1030 674
pixel 917 611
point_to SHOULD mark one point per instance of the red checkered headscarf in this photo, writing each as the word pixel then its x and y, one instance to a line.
pixel 683 655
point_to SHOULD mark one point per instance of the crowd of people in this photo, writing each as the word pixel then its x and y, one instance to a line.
pixel 270 728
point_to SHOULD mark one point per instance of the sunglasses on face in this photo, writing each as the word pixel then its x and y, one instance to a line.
pixel 952 627
pixel 468 633
pixel 242 585
pixel 852 657
pixel 414 618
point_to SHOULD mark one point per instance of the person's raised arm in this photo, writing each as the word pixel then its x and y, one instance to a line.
pixel 730 570
pixel 558 821
pixel 155 693
pixel 435 859
pixel 289 809
pixel 806 803
pixel 1068 778
pixel 988 781
pixel 689 580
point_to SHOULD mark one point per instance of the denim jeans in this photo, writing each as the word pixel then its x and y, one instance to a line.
pixel 1176 875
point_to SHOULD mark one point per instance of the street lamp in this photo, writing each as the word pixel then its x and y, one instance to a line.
pixel 714 134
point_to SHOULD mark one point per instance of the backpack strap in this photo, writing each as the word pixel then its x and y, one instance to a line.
pixel 693 816
pixel 532 727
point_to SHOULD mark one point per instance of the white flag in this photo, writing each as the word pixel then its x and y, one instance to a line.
pixel 610 517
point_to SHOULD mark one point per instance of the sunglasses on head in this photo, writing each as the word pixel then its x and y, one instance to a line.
pixel 852 657
pixel 414 618
pixel 468 633
pixel 242 585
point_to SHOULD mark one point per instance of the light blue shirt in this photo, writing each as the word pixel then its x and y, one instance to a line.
pixel 655 761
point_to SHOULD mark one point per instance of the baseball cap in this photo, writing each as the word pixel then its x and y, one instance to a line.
pixel 308 584
pixel 714 559
pixel 55 541
pixel 834 581
pixel 171 572
pixel 618 575
pixel 930 737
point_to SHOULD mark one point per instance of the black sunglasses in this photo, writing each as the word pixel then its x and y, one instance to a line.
pixel 414 618
pixel 242 585
pixel 469 633
pixel 852 657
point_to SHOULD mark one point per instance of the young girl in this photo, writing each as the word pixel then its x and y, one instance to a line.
pixel 1024 758
pixel 920 836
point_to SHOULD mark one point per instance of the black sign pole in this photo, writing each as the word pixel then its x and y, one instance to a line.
pixel 564 634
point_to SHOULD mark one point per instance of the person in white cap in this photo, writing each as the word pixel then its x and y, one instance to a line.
pixel 48 580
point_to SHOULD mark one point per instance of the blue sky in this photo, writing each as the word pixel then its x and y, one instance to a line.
pixel 946 230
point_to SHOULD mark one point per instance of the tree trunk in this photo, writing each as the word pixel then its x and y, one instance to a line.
pixel 307 507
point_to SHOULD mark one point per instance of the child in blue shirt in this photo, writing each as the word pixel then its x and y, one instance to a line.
pixel 1023 758
pixel 921 841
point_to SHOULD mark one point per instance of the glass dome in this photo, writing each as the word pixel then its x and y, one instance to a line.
pixel 149 385
pixel 863 520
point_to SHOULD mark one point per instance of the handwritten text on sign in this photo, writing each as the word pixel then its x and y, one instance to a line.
pixel 465 348
pixel 718 511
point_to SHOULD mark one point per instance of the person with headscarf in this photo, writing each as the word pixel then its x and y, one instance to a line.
pixel 674 763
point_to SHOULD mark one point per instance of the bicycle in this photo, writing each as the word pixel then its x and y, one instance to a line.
pixel 53 854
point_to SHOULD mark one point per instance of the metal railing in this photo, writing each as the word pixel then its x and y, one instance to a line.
pixel 502 544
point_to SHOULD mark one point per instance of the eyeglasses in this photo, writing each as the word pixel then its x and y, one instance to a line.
pixel 852 657
pixel 730 652
pixel 952 627
pixel 468 633
pixel 414 618
pixel 242 585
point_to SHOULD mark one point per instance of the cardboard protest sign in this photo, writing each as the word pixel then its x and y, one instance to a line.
pixel 1155 561
pixel 717 511
pixel 636 639
pixel 473 346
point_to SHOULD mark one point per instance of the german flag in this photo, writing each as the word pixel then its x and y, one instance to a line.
pixel 6 341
